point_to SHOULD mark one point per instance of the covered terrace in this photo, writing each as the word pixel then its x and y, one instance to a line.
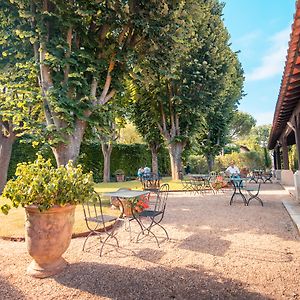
pixel 286 122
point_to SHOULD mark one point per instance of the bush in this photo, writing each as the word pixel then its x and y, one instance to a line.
pixel 249 160
pixel 198 164
pixel 126 157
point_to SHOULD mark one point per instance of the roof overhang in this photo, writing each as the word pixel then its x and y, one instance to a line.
pixel 289 93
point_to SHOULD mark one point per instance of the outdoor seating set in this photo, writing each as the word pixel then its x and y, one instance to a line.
pixel 261 175
pixel 214 183
pixel 205 183
pixel 146 208
pixel 150 181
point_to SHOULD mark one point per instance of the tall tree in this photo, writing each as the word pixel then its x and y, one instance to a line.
pixel 19 109
pixel 240 125
pixel 106 130
pixel 188 73
pixel 147 127
pixel 82 48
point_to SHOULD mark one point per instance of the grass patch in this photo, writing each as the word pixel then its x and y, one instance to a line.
pixel 13 223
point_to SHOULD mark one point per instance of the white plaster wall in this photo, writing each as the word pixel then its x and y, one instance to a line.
pixel 287 177
pixel 297 185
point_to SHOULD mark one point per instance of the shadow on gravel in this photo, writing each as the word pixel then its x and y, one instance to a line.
pixel 206 242
pixel 8 291
pixel 150 255
pixel 117 282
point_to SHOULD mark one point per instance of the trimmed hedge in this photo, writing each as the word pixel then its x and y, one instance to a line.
pixel 126 157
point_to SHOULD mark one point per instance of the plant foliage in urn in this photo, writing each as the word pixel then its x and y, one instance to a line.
pixel 40 184
pixel 49 196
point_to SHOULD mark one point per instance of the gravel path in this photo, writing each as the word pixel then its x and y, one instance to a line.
pixel 216 251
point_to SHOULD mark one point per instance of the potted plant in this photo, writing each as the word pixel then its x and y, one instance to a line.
pixel 120 175
pixel 49 196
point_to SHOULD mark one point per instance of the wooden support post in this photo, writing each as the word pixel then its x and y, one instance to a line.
pixel 278 158
pixel 297 137
pixel 275 158
pixel 285 153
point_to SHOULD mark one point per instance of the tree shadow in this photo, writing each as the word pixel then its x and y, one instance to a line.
pixel 9 291
pixel 151 255
pixel 206 242
pixel 215 213
pixel 119 282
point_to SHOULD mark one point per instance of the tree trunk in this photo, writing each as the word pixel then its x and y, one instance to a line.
pixel 70 149
pixel 175 152
pixel 6 143
pixel 210 162
pixel 154 160
pixel 154 147
pixel 106 150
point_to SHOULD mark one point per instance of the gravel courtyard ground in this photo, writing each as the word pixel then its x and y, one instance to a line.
pixel 216 251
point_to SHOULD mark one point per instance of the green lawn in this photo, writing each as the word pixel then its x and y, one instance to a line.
pixel 13 223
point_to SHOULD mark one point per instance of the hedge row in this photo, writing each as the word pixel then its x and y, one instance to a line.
pixel 126 157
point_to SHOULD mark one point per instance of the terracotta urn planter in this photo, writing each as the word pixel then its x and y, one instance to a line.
pixel 126 207
pixel 48 235
pixel 120 178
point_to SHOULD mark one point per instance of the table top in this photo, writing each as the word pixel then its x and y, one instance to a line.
pixel 199 175
pixel 126 193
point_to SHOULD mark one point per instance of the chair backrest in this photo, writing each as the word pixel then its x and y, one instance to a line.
pixel 162 197
pixel 151 181
pixel 92 208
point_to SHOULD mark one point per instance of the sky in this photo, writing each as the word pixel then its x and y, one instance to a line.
pixel 260 30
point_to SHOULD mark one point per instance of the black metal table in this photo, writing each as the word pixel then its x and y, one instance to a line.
pixel 237 184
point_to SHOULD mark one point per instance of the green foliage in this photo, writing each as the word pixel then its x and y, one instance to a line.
pixel 240 125
pixel 126 157
pixel 41 184
pixel 293 158
pixel 83 49
pixel 119 172
pixel 20 110
pixel 198 164
pixel 257 138
pixel 250 160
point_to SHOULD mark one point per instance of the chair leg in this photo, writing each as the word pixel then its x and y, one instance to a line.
pixel 91 233
pixel 106 239
pixel 149 231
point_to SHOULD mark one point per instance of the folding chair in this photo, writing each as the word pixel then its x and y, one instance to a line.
pixel 96 221
pixel 154 215
pixel 186 185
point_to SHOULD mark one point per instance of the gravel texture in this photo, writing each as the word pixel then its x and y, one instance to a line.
pixel 216 251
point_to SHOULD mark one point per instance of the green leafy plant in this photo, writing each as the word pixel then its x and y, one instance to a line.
pixel 41 184
pixel 119 172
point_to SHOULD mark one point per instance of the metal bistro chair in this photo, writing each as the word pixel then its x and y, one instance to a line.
pixel 154 214
pixel 151 181
pixel 96 221
pixel 187 185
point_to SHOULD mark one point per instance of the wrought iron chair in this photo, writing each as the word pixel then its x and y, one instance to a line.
pixel 96 221
pixel 154 214
pixel 187 185
pixel 151 181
